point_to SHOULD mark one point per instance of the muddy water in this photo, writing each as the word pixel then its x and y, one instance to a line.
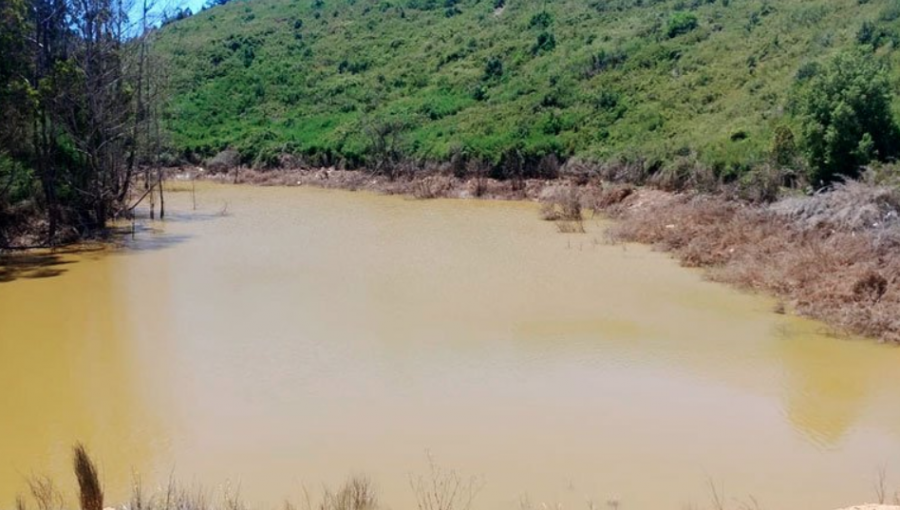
pixel 306 335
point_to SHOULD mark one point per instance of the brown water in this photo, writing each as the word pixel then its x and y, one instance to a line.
pixel 309 334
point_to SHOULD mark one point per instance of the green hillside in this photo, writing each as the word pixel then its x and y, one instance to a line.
pixel 599 79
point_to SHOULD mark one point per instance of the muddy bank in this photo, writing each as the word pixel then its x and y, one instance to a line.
pixel 834 257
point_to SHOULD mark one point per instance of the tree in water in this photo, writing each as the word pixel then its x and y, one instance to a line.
pixel 78 97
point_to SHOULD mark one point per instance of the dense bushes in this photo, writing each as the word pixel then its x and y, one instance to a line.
pixel 846 117
pixel 600 80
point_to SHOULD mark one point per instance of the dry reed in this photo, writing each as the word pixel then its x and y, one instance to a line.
pixel 90 491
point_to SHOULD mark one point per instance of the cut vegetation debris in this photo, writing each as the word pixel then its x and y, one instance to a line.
pixel 833 257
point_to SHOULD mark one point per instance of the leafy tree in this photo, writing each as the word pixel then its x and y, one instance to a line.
pixel 75 99
pixel 846 117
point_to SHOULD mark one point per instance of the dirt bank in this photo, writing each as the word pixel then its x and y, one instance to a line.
pixel 833 256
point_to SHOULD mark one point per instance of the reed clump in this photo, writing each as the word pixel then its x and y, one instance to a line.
pixel 90 491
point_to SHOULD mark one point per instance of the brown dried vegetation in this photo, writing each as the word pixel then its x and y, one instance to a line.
pixel 833 257
pixel 90 492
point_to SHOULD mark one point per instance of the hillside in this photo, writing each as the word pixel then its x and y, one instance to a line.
pixel 599 79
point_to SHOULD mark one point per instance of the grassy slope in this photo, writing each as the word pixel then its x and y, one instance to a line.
pixel 248 75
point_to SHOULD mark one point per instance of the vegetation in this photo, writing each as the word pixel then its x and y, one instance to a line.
pixel 563 206
pixel 79 98
pixel 847 120
pixel 437 489
pixel 831 256
pixel 680 94
pixel 719 84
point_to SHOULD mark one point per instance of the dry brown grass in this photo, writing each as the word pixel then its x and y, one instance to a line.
pixel 89 490
pixel 356 494
pixel 824 256
pixel 44 494
pixel 562 205
pixel 424 184
pixel 433 186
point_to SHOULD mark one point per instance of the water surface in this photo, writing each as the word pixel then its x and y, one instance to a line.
pixel 305 335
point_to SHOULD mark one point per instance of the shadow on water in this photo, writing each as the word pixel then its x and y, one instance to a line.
pixel 51 262
pixel 145 240
pixel 35 265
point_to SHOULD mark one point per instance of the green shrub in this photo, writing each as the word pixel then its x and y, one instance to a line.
pixel 546 42
pixel 541 20
pixel 681 23
pixel 846 116
pixel 493 68
pixel 784 147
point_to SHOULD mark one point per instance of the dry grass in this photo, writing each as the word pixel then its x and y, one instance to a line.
pixel 436 489
pixel 851 206
pixel 443 489
pixel 424 184
pixel 825 256
pixel 356 494
pixel 433 186
pixel 90 491
pixel 562 205
pixel 44 494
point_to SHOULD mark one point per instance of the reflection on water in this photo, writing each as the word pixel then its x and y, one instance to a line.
pixel 67 373
pixel 830 384
pixel 310 334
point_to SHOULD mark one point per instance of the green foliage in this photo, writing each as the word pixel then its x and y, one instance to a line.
pixel 784 146
pixel 847 119
pixel 493 69
pixel 542 19
pixel 16 181
pixel 681 23
pixel 546 42
pixel 598 79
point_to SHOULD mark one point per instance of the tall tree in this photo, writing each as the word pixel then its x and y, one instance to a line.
pixel 77 101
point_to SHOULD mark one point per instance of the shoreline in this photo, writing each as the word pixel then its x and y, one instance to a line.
pixel 833 257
